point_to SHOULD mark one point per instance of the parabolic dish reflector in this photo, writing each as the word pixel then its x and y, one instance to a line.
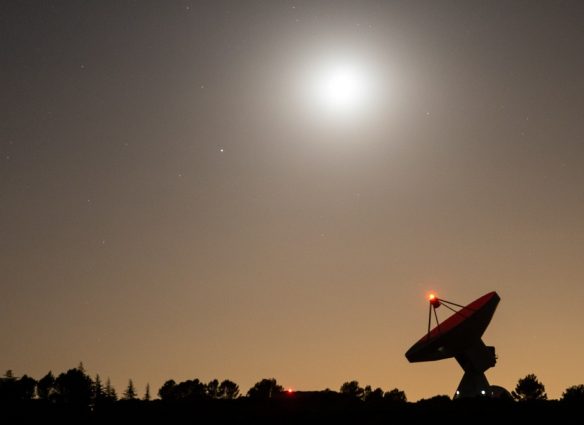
pixel 459 336
pixel 460 330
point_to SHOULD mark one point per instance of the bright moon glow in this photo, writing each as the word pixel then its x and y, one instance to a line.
pixel 341 89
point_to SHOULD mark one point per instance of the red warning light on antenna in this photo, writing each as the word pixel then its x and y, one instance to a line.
pixel 434 299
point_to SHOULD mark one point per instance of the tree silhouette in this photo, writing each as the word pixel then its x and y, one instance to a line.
pixel 8 386
pixel 46 387
pixel 266 388
pixel 185 391
pixel 12 389
pixel 166 392
pixel 367 392
pixel 396 396
pixel 26 387
pixel 529 388
pixel 74 387
pixel 353 389
pixel 130 392
pixel 574 394
pixel 97 391
pixel 373 395
pixel 228 390
pixel 110 392
pixel 192 390
pixel 213 389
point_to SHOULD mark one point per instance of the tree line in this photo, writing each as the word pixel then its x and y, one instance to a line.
pixel 76 387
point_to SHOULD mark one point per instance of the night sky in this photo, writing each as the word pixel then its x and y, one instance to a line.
pixel 184 194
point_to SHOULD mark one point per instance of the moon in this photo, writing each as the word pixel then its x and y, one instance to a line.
pixel 341 90
pixel 341 87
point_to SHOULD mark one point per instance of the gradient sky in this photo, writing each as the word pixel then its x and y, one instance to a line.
pixel 176 203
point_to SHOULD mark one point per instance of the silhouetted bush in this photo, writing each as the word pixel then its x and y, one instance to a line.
pixel 15 389
pixel 437 400
pixel 529 388
pixel 228 390
pixel 352 389
pixel 371 395
pixel 395 396
pixel 266 388
pixel 190 390
pixel 167 391
pixel 574 394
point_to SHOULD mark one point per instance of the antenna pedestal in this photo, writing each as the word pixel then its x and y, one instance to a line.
pixel 475 360
pixel 472 384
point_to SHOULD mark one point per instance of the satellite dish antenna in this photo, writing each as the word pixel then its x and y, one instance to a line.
pixel 459 336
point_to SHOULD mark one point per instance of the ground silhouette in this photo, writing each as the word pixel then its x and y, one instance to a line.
pixel 74 398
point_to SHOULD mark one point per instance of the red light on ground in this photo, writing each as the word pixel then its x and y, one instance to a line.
pixel 290 391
